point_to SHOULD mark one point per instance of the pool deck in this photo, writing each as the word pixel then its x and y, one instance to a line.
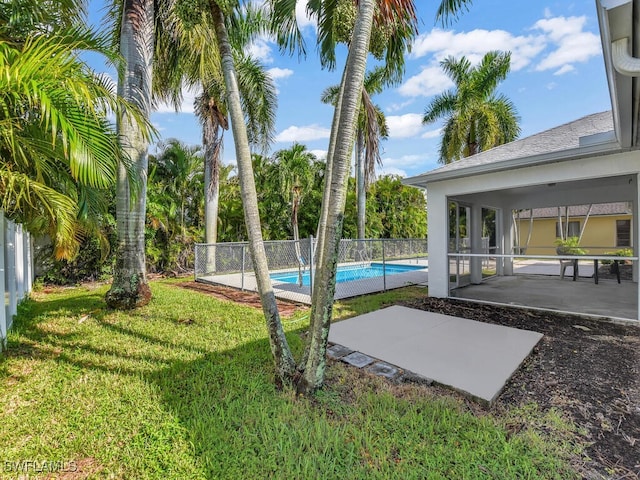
pixel 472 357
pixel 302 294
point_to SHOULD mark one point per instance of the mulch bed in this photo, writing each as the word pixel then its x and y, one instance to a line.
pixel 250 299
pixel 588 369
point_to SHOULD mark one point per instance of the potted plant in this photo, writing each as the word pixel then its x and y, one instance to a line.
pixel 569 246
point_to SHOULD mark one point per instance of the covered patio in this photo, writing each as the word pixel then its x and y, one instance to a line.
pixel 588 161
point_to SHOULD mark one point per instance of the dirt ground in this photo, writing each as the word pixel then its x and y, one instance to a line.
pixel 588 369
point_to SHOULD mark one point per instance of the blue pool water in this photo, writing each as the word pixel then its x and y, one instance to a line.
pixel 350 273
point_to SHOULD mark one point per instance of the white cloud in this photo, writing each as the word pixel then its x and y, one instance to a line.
pixel 573 45
pixel 303 134
pixel 432 133
pixel 565 69
pixel 260 50
pixel 302 18
pixel 430 81
pixel 395 107
pixel 279 73
pixel 404 126
pixel 188 97
pixel 400 165
pixel 556 43
pixel 474 44
pixel 320 154
pixel 551 85
pixel 384 170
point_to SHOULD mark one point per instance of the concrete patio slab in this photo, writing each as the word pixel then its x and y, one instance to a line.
pixel 472 357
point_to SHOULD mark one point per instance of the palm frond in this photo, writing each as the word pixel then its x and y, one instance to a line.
pixel 450 10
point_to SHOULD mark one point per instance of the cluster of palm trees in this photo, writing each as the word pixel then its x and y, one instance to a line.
pixel 59 148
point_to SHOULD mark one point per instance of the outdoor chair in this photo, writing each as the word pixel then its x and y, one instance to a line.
pixel 567 262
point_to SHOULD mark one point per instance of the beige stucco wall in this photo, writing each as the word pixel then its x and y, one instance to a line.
pixel 599 236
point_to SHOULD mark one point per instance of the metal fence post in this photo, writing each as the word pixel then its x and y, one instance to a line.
pixel 384 269
pixel 242 270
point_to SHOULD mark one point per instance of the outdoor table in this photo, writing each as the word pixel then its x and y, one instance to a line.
pixel 616 269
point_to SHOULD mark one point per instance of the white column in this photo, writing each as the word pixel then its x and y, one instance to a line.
pixel 499 241
pixel 20 256
pixel 476 243
pixel 3 289
pixel 10 267
pixel 437 219
pixel 28 248
pixel 507 244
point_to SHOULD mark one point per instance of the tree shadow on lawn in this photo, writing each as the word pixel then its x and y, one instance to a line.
pixel 238 424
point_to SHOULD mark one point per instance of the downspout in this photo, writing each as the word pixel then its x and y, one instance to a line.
pixel 626 64
pixel 623 61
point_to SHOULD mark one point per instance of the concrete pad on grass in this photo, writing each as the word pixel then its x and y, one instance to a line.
pixel 473 357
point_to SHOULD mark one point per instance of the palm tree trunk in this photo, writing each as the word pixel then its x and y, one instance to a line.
pixel 322 221
pixel 361 194
pixel 284 362
pixel 212 142
pixel 294 217
pixel 325 279
pixel 212 146
pixel 130 288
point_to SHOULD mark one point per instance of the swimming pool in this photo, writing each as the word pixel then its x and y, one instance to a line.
pixel 349 273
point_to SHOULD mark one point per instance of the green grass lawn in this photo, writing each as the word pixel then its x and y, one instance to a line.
pixel 183 388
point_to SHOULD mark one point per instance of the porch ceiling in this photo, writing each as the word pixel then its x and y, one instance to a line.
pixel 619 188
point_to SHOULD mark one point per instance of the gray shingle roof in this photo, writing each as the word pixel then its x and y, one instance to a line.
pixel 616 208
pixel 563 137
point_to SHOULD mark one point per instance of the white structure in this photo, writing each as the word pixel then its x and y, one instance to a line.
pixel 592 160
pixel 16 271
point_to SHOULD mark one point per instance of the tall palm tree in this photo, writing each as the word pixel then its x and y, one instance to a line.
pixel 135 32
pixel 284 362
pixel 213 117
pixel 188 55
pixel 476 118
pixel 295 177
pixel 371 127
pixel 57 147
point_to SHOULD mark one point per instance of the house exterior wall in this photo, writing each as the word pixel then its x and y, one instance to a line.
pixel 599 236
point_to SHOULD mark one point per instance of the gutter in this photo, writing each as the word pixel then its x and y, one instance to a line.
pixel 522 162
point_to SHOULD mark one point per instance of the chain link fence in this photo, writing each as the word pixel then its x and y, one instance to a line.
pixel 364 266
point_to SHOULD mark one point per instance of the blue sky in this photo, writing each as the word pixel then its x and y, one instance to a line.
pixel 557 75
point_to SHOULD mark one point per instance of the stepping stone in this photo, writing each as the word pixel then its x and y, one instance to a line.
pixel 358 359
pixel 383 369
pixel 338 351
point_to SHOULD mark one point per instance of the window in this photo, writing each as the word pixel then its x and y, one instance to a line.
pixel 574 229
pixel 623 233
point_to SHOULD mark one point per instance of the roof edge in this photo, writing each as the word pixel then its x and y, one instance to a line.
pixel 609 147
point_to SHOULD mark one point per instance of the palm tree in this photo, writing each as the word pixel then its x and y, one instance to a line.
pixel 58 149
pixel 178 166
pixel 188 55
pixel 371 127
pixel 136 38
pixel 174 200
pixel 209 109
pixel 476 118
pixel 295 177
pixel 284 362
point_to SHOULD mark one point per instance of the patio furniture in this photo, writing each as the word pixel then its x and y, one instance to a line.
pixel 567 262
pixel 615 268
